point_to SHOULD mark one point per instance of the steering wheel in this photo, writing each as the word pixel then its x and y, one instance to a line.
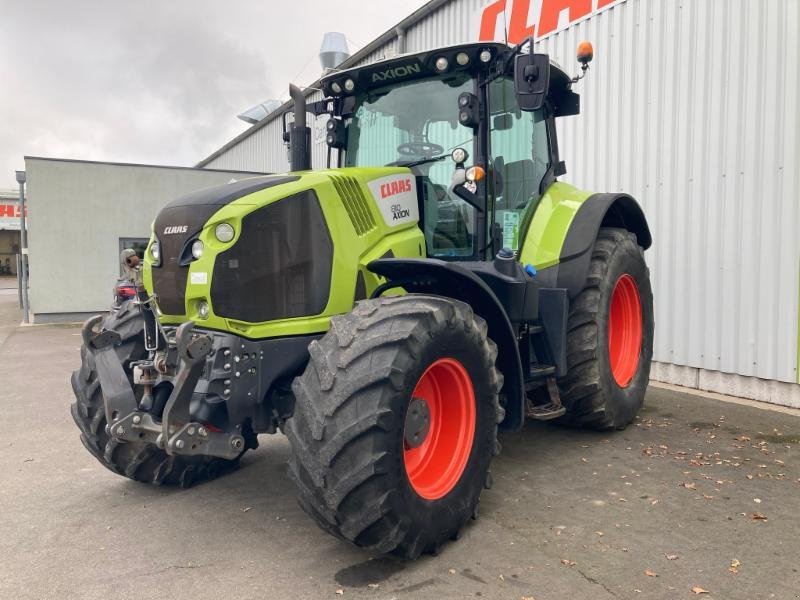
pixel 419 149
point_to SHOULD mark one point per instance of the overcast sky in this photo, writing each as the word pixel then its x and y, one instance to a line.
pixel 157 81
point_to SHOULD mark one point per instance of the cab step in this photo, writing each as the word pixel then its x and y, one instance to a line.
pixel 552 409
pixel 546 412
pixel 537 372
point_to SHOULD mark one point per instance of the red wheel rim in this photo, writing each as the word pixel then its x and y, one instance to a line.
pixel 624 330
pixel 435 466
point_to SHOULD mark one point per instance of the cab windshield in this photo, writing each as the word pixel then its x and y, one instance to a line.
pixel 413 124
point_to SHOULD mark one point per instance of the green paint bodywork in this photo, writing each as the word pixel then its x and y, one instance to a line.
pixel 541 247
pixel 351 252
pixel 550 224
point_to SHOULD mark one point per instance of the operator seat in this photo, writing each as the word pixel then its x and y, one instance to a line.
pixel 519 182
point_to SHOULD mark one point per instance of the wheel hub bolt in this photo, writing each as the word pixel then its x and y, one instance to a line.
pixel 137 419
pixel 203 432
pixel 180 444
pixel 418 423
pixel 120 430
pixel 237 443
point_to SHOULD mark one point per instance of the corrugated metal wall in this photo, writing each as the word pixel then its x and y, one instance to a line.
pixel 692 107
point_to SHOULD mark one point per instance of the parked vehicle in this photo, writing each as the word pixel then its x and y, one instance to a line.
pixel 388 313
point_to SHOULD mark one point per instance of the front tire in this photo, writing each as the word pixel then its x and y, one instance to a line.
pixel 367 466
pixel 137 461
pixel 609 336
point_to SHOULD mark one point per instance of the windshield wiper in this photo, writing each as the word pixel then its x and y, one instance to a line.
pixel 421 161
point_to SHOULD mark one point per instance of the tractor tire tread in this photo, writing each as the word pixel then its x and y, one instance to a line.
pixel 582 393
pixel 342 472
pixel 139 462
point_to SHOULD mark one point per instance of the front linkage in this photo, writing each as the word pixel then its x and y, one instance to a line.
pixel 180 361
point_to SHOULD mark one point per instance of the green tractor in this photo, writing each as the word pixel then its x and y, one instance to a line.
pixel 389 313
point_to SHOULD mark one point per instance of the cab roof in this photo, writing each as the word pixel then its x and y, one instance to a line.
pixel 419 65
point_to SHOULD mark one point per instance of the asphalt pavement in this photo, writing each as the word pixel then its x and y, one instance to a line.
pixel 696 496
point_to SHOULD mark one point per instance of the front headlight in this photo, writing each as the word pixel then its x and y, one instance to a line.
pixel 224 232
pixel 202 309
pixel 155 252
pixel 197 249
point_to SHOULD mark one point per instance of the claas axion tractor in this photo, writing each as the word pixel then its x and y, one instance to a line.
pixel 436 282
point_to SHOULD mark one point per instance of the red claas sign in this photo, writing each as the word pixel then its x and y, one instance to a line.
pixel 525 18
pixel 11 210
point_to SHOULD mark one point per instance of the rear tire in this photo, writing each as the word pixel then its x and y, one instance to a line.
pixel 358 475
pixel 610 336
pixel 137 461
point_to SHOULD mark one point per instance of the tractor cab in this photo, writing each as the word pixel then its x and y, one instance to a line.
pixel 482 153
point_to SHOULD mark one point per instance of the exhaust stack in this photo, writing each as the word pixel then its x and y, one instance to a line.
pixel 299 133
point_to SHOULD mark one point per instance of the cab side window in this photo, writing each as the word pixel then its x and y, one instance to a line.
pixel 520 154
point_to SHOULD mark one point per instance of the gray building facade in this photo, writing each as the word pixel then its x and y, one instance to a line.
pixel 86 212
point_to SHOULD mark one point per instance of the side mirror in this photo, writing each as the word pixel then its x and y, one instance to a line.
pixel 531 80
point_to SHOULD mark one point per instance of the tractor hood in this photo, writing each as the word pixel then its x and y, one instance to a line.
pixel 286 242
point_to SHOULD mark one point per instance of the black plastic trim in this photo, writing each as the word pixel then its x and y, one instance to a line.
pixel 599 210
pixel 221 195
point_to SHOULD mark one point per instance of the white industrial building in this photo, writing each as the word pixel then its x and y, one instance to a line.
pixel 691 106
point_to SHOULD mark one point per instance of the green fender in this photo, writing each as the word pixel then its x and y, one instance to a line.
pixel 564 227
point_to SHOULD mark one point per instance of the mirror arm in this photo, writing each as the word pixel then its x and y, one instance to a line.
pixel 457 188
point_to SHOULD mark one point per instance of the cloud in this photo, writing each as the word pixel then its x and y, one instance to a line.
pixel 154 82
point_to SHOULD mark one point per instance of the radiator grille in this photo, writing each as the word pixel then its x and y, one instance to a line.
pixel 355 203
pixel 281 265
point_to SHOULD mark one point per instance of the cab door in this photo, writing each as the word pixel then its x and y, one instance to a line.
pixel 520 159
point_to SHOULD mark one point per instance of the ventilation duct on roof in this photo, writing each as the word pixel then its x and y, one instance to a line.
pixel 334 50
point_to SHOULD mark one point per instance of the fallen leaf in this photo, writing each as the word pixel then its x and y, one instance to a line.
pixel 527 598
pixel 654 502
pixel 757 500
pixel 650 573
pixel 671 556
pixel 735 564
pixel 600 533
pixel 749 476
pixel 245 509
pixel 688 486
pixel 374 586
pixel 567 562
pixel 698 590
pixel 451 571
pixel 340 592
pixel 757 516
